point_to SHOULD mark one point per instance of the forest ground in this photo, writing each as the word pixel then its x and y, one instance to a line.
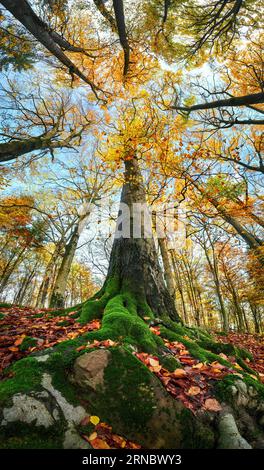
pixel 25 331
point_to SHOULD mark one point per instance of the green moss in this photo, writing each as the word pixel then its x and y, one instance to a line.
pixel 27 377
pixel 170 363
pixel 38 315
pixel 193 347
pixel 94 308
pixel 5 305
pixel 226 348
pixel 127 396
pixel 27 343
pixel 222 388
pixel 192 332
pixel 2 316
pixel 20 435
pixel 121 323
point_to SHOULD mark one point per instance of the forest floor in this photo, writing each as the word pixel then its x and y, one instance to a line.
pixel 24 331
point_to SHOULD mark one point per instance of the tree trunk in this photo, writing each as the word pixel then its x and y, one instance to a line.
pixel 57 296
pixel 168 272
pixel 134 261
pixel 9 268
pixel 46 282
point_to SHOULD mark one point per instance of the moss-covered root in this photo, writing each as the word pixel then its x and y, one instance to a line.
pixel 122 323
pixel 94 308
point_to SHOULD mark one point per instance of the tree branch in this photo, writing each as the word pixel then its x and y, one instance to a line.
pixel 52 41
pixel 254 98
pixel 121 28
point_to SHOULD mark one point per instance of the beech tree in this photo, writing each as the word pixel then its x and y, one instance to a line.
pixel 138 354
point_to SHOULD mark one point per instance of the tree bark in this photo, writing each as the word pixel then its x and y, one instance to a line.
pixel 134 261
pixel 58 292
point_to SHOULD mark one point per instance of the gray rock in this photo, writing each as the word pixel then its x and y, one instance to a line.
pixel 72 414
pixel 72 440
pixel 229 436
pixel 27 409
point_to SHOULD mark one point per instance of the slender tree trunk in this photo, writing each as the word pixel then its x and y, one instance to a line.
pixel 57 296
pixel 180 287
pixel 10 267
pixel 254 311
pixel 168 272
pixel 44 287
pixel 26 282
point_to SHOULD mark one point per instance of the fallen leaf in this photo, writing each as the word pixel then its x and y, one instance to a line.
pixel 211 404
pixel 19 340
pixel 92 436
pixel 153 362
pixel 194 390
pixel 179 373
pixel 99 444
pixel 94 420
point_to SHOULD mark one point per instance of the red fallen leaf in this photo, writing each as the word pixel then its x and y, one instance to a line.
pixel 155 330
pixel 132 445
pixel 211 404
pixel 217 365
pixel 187 360
pixel 103 426
pixel 81 348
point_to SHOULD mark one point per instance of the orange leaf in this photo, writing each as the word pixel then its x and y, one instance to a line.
pixel 200 365
pixel 19 340
pixel 194 390
pixel 179 373
pixel 99 444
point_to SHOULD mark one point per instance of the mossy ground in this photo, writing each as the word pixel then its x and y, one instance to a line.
pixel 125 320
pixel 27 343
pixel 24 436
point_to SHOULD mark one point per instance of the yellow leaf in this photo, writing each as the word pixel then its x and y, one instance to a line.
pixel 94 420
